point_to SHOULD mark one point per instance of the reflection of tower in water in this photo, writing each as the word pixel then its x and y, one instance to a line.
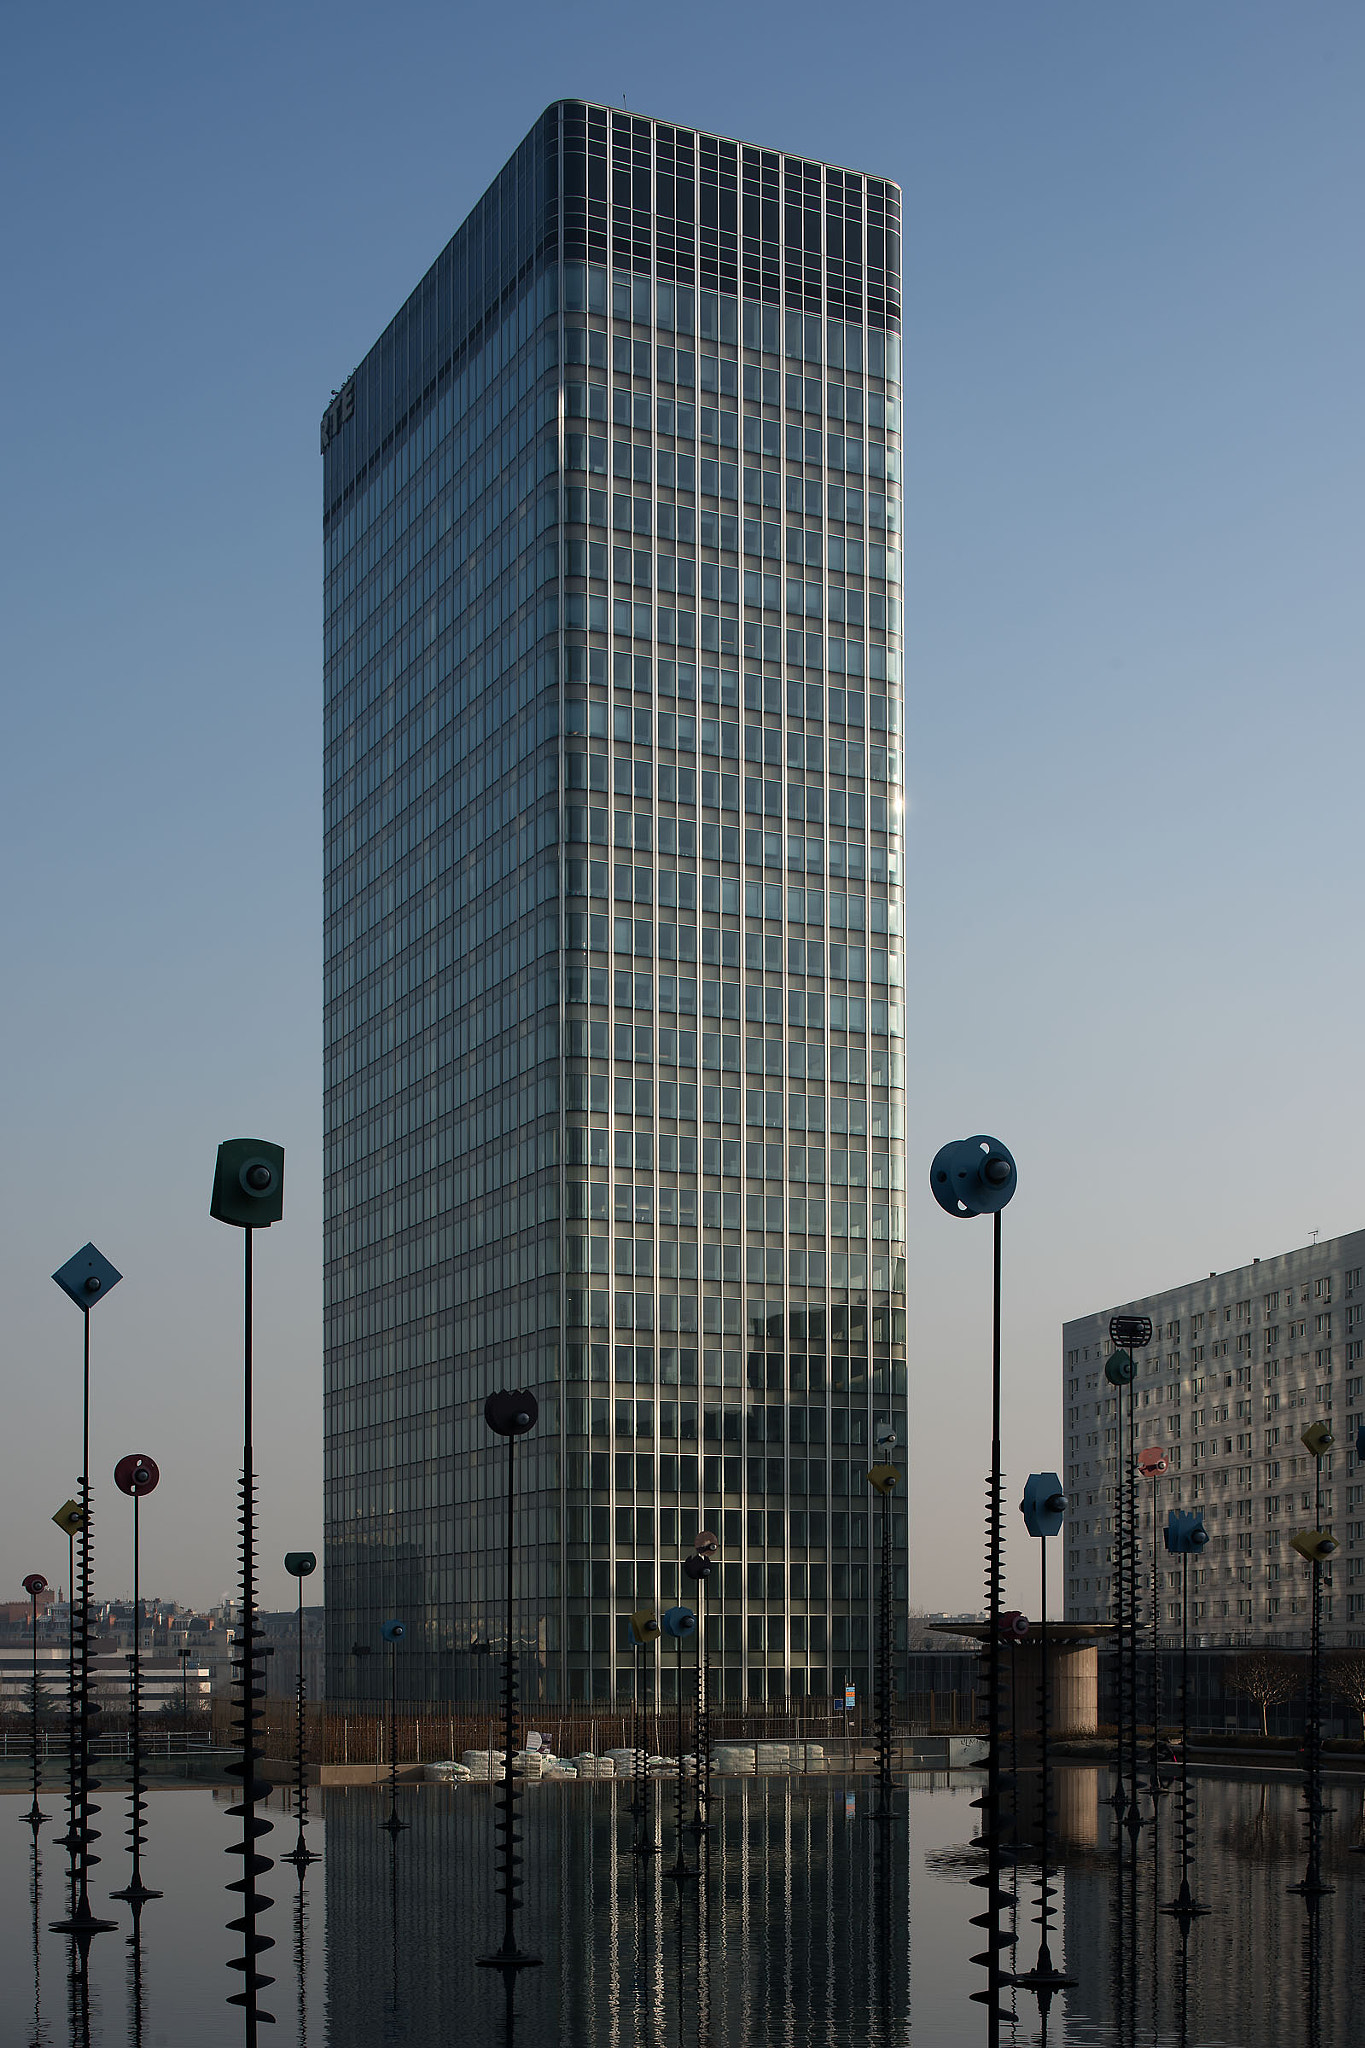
pixel 784 1931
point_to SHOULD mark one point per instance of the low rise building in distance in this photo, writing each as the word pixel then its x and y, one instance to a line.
pixel 1239 1365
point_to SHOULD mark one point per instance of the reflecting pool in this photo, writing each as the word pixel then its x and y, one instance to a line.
pixel 802 1927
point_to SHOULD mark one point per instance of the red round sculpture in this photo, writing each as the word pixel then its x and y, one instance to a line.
pixel 136 1474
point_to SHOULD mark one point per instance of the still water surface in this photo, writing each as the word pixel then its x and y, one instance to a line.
pixel 802 1932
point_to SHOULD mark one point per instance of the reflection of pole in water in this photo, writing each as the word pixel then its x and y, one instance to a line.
pixel 135 1998
pixel 35 1894
pixel 301 1947
pixel 1312 1960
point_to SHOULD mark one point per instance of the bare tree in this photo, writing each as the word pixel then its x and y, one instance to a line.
pixel 1269 1677
pixel 1346 1677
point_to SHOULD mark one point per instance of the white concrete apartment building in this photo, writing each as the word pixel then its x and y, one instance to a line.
pixel 1239 1364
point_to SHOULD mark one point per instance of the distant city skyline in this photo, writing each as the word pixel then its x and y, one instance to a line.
pixel 1131 540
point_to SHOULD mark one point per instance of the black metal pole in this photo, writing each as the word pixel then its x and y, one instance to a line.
pixel 301 1855
pixel 82 1922
pixel 69 1841
pixel 1312 1886
pixel 135 1890
pixel 701 1741
pixel 35 1815
pixel 885 1639
pixel 997 1938
pixel 1155 1688
pixel 1044 1978
pixel 1184 1905
pixel 1133 1817
pixel 249 1692
pixel 679 1870
pixel 394 1824
pixel 1119 1798
pixel 508 1956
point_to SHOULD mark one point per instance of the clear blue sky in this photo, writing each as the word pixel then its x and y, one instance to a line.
pixel 1134 335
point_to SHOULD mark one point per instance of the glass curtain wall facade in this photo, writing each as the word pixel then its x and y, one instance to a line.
pixel 614 939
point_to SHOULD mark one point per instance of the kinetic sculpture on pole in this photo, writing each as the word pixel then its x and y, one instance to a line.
pixel 248 1194
pixel 510 1415
pixel 884 1478
pixel 1152 1465
pixel 698 1569
pixel 644 1633
pixel 300 1564
pixel 86 1279
pixel 1185 1537
pixel 393 1633
pixel 1129 1334
pixel 977 1177
pixel 34 1584
pixel 680 1623
pixel 1317 1545
pixel 1044 1510
pixel 136 1475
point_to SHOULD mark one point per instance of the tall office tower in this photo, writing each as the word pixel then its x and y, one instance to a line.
pixel 614 952
pixel 1239 1366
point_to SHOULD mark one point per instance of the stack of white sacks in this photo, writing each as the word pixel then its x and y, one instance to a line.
pixel 590 1766
pixel 743 1759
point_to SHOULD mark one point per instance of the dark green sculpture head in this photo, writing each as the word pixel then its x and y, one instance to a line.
pixel 248 1183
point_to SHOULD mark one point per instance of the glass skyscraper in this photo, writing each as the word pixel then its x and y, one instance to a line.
pixel 614 939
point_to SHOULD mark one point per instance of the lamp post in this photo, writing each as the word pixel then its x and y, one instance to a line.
pixel 300 1564
pixel 884 1478
pixel 977 1177
pixel 1317 1545
pixel 1128 1334
pixel 136 1475
pixel 248 1195
pixel 86 1278
pixel 1185 1537
pixel 1044 1509
pixel 510 1414
pixel 679 1623
pixel 1152 1464
pixel 34 1584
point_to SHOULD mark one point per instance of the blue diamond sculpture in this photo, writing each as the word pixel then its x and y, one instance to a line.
pixel 87 1277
